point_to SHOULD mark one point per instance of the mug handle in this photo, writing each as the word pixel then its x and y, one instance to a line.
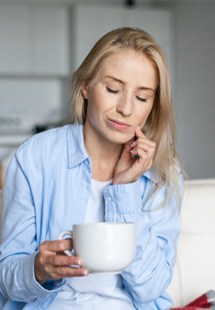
pixel 67 233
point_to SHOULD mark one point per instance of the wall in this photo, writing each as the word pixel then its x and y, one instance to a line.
pixel 194 76
pixel 194 90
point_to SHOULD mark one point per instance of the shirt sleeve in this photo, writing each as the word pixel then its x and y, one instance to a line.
pixel 157 221
pixel 19 239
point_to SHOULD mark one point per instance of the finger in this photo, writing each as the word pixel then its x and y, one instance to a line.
pixel 64 260
pixel 56 245
pixel 147 142
pixel 144 158
pixel 142 163
pixel 139 133
pixel 125 155
pixel 59 266
pixel 143 140
pixel 47 254
pixel 146 146
pixel 143 150
pixel 68 272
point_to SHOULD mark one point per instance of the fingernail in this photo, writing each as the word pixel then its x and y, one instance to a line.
pixel 78 262
pixel 86 272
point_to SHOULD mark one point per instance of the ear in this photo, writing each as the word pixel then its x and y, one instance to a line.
pixel 85 92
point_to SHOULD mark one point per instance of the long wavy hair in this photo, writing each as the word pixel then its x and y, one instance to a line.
pixel 160 126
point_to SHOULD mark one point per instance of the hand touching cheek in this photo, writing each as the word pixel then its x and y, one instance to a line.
pixel 137 157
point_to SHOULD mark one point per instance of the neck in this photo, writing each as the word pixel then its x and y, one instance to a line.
pixel 104 155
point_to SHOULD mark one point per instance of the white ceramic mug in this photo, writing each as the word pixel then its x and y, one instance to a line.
pixel 106 247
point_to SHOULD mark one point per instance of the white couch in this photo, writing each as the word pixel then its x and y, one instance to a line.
pixel 195 267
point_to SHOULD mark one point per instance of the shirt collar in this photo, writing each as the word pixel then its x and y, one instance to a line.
pixel 75 145
pixel 151 175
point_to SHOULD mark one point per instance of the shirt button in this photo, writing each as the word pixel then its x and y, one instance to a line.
pixel 109 198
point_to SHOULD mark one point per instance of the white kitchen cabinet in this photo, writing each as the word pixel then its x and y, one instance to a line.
pixel 51 44
pixel 90 22
pixel 33 39
pixel 14 39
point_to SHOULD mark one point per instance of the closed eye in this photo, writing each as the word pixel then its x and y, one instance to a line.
pixel 141 99
pixel 112 91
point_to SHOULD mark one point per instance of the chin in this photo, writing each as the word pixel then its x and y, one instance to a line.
pixel 120 140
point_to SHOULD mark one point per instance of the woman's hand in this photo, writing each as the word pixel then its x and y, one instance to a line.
pixel 136 158
pixel 51 263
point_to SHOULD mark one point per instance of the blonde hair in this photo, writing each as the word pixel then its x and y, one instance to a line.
pixel 160 126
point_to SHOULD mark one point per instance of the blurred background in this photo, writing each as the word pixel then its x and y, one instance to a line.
pixel 43 41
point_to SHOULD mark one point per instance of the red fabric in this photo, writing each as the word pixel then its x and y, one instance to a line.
pixel 203 302
pixel 192 308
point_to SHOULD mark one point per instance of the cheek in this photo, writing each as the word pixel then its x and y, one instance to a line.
pixel 143 116
pixel 91 111
pixel 92 104
pixel 94 110
pixel 94 98
pixel 97 104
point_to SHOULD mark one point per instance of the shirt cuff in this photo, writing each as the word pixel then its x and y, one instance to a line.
pixel 121 201
pixel 50 286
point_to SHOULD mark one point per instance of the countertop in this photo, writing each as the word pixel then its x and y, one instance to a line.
pixel 12 139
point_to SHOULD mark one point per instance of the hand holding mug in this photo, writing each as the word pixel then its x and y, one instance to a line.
pixel 51 263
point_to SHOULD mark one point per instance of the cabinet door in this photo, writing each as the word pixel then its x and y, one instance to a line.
pixel 50 48
pixel 34 39
pixel 14 38
pixel 158 23
pixel 89 23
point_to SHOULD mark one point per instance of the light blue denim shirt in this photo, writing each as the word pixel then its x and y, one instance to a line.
pixel 46 191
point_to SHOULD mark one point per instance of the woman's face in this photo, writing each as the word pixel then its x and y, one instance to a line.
pixel 120 96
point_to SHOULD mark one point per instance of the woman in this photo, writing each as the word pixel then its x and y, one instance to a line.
pixel 115 162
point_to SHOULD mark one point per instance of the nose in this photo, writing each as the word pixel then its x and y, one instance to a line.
pixel 125 105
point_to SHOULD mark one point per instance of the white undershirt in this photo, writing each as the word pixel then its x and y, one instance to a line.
pixel 95 208
pixel 94 292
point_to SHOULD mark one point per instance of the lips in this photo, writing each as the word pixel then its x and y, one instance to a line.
pixel 119 124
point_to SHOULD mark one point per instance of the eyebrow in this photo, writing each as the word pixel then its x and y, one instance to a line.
pixel 123 83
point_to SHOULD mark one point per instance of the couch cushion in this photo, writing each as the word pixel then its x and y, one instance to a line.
pixel 196 265
pixel 194 273
pixel 175 288
pixel 198 208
